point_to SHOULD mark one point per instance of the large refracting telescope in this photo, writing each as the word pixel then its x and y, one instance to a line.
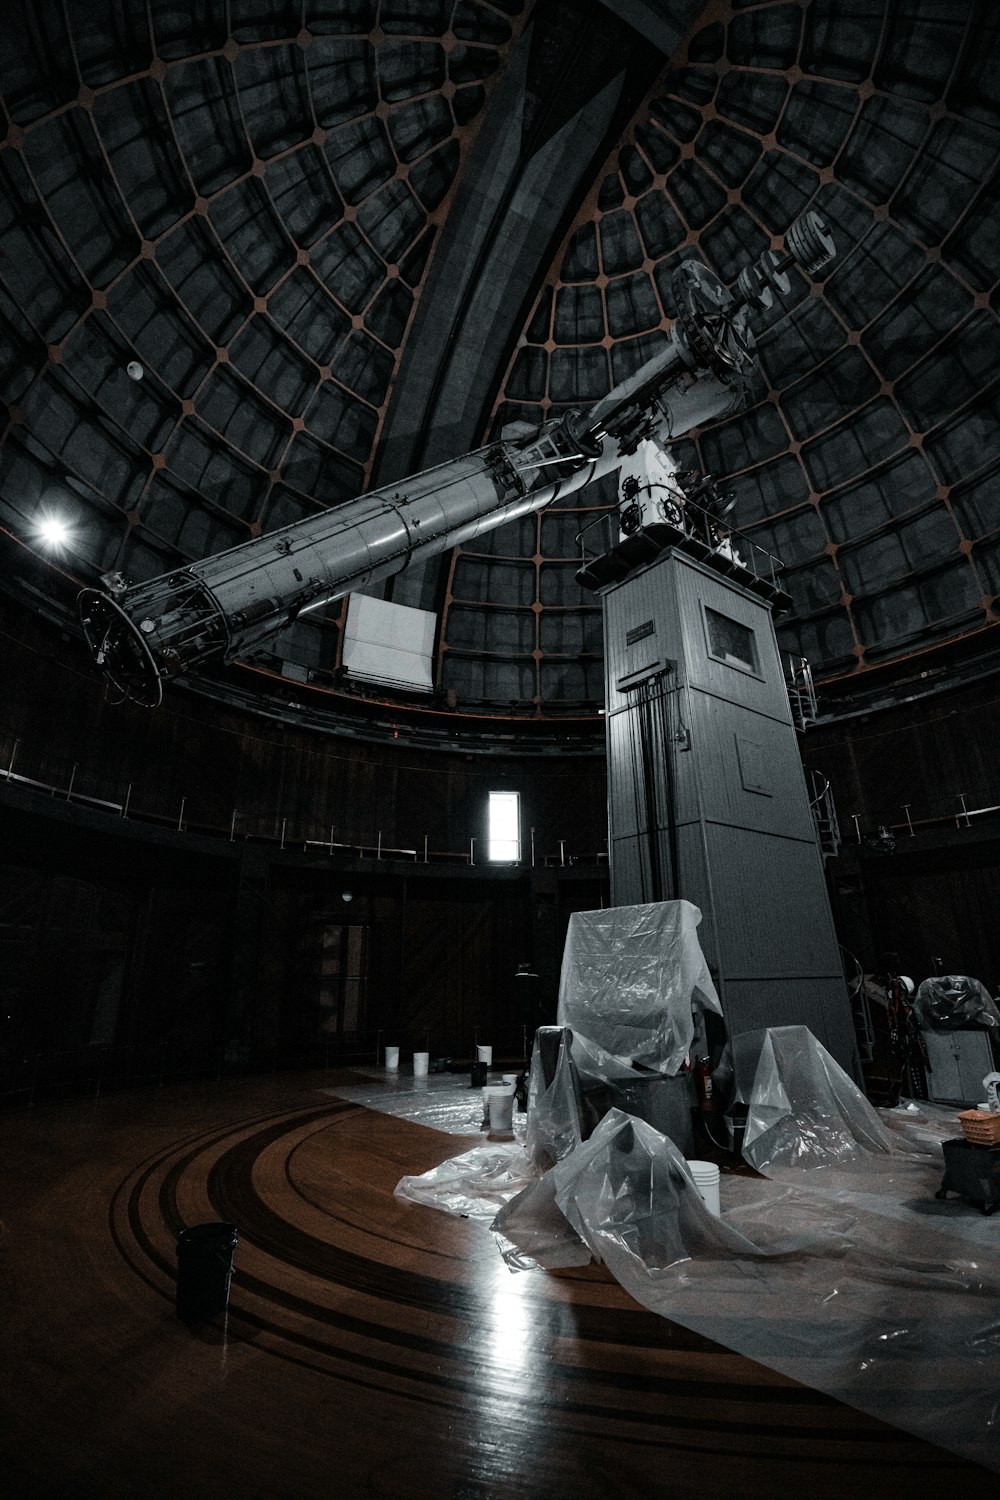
pixel 224 607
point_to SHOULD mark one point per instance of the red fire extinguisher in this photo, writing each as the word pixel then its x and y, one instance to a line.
pixel 703 1084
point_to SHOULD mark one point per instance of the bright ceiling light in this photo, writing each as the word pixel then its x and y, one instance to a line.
pixel 53 532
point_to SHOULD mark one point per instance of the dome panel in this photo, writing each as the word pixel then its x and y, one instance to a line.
pixel 816 120
pixel 814 586
pixel 731 240
pixel 903 614
pixel 503 631
pixel 343 84
pixel 837 40
pixel 274 366
pixel 859 443
pixel 65 159
pixel 872 566
pixel 621 249
pixel 206 123
pixel 135 129
pixel 919 50
pixel 976 506
pixel 263 20
pixel 529 377
pixel 515 539
pixel 697 195
pixel 579 374
pixel 745 440
pixel 348 267
pixel 962 365
pixel 252 234
pixel 877 265
pixel 768 490
pixel 933 303
pixel 792 538
pixel 205 282
pixel 882 146
pixel 477 680
pixel 407 68
pixel 319 473
pixel 579 318
pixel 893 490
pixel 346 424
pixel 818 401
pixel 360 156
pixel 568 632
pixel 765 39
pixel 232 408
pixel 303 307
pixel 233 484
pixel 476 578
pixel 181 27
pixel 959 448
pixel 263 74
pixel 418 127
pixel 28 35
pixel 753 100
pixel 660 229
pixel 956 159
pixel 579 682
pixel 35 270
pixel 987 562
pixel 301 188
pixel 628 355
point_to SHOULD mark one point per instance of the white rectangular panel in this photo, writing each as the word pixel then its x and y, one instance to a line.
pixel 389 643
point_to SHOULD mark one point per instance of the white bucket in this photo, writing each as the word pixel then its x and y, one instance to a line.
pixel 500 1103
pixel 392 1059
pixel 485 1054
pixel 510 1077
pixel 421 1062
pixel 706 1180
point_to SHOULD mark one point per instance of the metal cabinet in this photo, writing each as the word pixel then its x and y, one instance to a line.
pixel 959 1060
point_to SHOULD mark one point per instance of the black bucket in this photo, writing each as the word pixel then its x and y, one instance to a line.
pixel 204 1270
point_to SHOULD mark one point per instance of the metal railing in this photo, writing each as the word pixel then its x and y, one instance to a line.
pixel 286 833
pixel 695 525
pixel 801 690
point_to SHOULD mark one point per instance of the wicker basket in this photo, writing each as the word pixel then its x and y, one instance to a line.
pixel 980 1126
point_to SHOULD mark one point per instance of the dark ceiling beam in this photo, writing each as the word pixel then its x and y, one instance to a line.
pixel 663 31
pixel 574 80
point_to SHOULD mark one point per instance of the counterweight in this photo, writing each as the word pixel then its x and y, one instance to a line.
pixel 226 605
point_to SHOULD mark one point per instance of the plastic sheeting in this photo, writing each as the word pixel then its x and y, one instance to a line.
pixel 475 1185
pixel 804 1110
pixel 950 1001
pixel 862 1286
pixel 840 1268
pixel 554 1124
pixel 443 1101
pixel 630 977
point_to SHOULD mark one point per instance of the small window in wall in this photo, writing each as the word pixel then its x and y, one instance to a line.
pixel 505 827
pixel 730 641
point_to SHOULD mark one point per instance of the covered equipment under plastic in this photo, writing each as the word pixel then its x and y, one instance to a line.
pixel 631 978
pixel 948 1002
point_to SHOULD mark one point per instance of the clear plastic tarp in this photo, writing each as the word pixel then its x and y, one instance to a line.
pixel 631 976
pixel 949 1001
pixel 442 1101
pixel 474 1185
pixel 555 1108
pixel 804 1110
pixel 839 1267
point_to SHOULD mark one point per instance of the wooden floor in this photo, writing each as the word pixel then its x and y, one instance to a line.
pixel 372 1348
